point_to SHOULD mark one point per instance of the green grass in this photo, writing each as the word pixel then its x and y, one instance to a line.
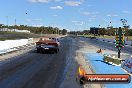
pixel 105 36
pixel 130 38
pixel 3 39
pixel 16 35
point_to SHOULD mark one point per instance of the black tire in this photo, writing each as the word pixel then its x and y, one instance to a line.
pixel 38 50
pixel 83 80
pixel 57 50
pixel 52 52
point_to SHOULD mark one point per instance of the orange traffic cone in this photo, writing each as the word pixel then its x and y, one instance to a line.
pixel 99 51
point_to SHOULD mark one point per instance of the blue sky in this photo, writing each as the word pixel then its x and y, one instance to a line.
pixel 69 14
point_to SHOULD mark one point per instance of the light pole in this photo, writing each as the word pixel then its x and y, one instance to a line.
pixel 41 33
pixel 7 17
pixel 26 16
pixel 98 30
pixel 56 31
pixel 94 32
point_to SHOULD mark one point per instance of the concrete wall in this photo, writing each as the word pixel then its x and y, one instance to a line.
pixel 4 45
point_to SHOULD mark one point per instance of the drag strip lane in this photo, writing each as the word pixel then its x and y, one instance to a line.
pixel 34 70
pixel 106 45
pixel 51 75
pixel 23 75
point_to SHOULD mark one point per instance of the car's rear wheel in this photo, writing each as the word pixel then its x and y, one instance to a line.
pixel 57 50
pixel 38 50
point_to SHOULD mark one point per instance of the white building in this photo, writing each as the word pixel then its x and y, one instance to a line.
pixel 14 30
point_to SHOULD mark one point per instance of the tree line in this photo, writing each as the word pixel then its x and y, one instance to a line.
pixel 102 31
pixel 37 30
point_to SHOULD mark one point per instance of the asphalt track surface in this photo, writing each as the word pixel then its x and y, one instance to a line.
pixel 35 70
pixel 109 46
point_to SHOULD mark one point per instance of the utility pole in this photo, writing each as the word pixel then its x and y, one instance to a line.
pixel 41 33
pixel 99 30
pixel 94 32
pixel 125 25
pixel 7 17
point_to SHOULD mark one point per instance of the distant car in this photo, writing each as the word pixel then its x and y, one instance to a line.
pixel 48 45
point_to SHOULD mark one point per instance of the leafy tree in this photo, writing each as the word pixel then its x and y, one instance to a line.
pixel 64 32
pixel 130 32
pixel 102 31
